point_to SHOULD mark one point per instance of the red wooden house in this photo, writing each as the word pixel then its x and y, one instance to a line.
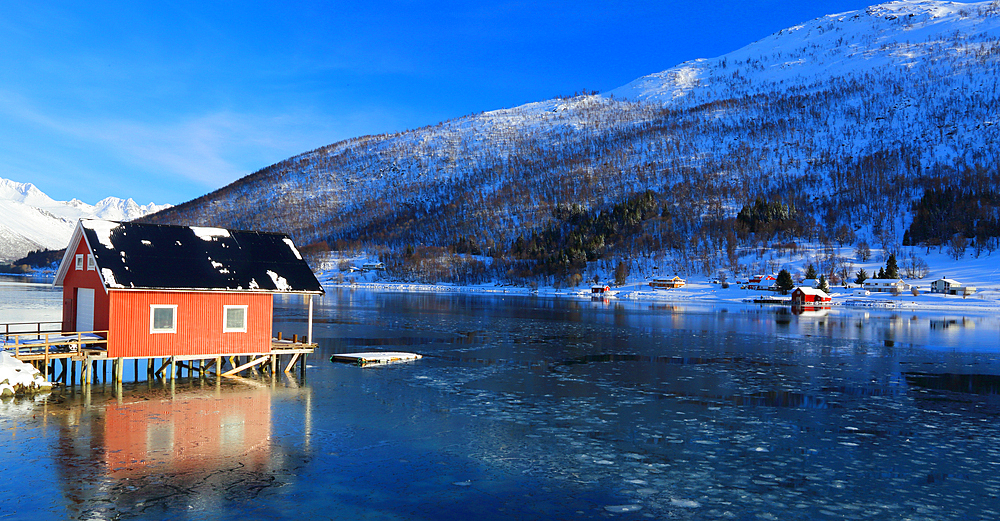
pixel 162 291
pixel 806 295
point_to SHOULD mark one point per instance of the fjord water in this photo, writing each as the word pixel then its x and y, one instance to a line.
pixel 535 408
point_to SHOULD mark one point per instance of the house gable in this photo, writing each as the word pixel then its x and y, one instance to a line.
pixel 78 271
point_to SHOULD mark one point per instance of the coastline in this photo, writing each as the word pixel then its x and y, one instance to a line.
pixel 698 293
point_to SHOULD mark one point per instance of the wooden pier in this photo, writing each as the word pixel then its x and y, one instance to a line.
pixel 58 353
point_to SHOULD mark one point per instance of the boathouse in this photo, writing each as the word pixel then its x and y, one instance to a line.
pixel 600 289
pixel 806 295
pixel 164 291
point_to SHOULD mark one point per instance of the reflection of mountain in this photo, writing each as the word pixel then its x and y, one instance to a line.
pixel 161 454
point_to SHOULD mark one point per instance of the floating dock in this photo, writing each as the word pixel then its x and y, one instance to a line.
pixel 375 357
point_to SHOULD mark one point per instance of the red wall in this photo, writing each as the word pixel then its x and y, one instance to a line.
pixel 199 324
pixel 84 279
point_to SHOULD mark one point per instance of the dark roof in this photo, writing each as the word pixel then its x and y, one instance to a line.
pixel 153 256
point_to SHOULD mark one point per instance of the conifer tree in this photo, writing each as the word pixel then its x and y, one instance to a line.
pixel 861 277
pixel 810 272
pixel 823 286
pixel 621 273
pixel 784 282
pixel 891 269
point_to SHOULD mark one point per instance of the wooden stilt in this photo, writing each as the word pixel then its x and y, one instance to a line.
pixel 173 368
pixel 247 365
pixel 46 373
pixel 291 363
pixel 309 324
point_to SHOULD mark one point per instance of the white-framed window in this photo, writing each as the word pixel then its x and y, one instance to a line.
pixel 91 265
pixel 79 262
pixel 162 318
pixel 234 319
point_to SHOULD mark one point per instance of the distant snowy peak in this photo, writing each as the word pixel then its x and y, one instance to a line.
pixel 894 35
pixel 23 193
pixel 30 219
pixel 115 209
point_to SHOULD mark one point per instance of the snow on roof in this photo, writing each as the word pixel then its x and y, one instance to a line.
pixel 812 291
pixel 209 234
pixel 291 246
pixel 150 256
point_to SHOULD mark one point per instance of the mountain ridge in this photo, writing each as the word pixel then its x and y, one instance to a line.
pixel 848 118
pixel 31 220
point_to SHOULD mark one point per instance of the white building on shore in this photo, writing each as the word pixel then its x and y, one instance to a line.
pixel 951 287
pixel 894 286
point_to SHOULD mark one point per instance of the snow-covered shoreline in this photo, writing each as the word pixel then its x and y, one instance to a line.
pixel 17 377
pixel 699 293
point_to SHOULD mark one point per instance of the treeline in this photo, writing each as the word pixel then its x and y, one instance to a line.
pixel 578 235
pixel 944 215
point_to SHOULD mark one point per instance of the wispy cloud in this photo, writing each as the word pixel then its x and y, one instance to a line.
pixel 210 150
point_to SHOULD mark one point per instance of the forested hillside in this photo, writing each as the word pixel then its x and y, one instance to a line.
pixel 832 132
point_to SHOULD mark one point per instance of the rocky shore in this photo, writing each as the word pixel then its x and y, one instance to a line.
pixel 17 377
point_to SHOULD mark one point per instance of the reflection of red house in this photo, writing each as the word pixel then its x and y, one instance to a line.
pixel 190 433
pixel 172 290
pixel 806 295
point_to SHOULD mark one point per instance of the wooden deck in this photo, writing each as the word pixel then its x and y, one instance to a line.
pixel 37 344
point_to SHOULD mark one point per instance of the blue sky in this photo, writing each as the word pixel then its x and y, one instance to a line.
pixel 167 101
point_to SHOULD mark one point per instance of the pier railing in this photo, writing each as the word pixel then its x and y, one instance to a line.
pixel 43 342
pixel 32 327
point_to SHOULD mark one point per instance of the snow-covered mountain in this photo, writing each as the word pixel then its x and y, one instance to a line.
pixel 31 220
pixel 848 119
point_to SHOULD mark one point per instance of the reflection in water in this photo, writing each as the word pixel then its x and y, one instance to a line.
pixel 546 409
pixel 159 452
pixel 959 383
pixel 186 432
